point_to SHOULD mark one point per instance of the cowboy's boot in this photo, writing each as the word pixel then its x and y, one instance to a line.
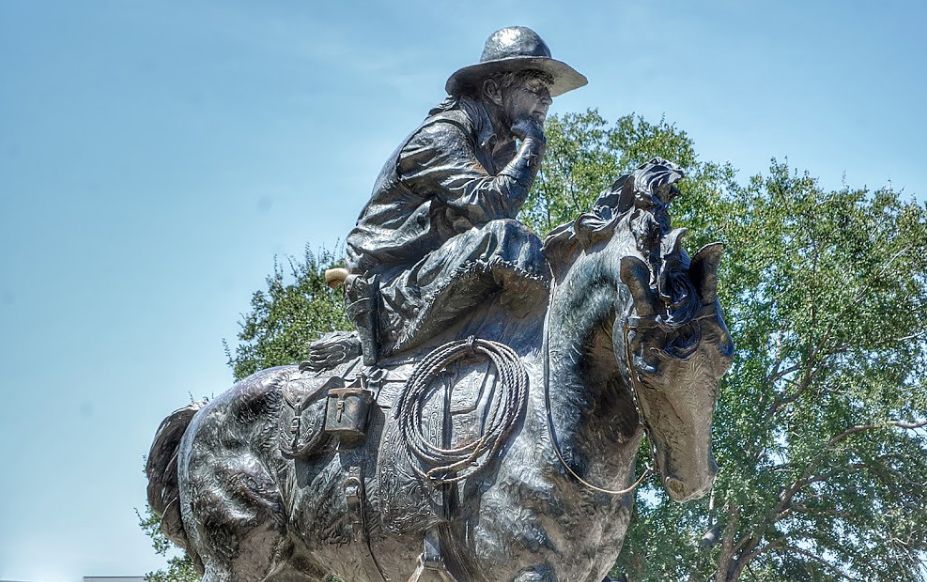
pixel 361 308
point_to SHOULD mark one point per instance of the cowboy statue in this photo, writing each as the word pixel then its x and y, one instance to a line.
pixel 439 234
pixel 485 420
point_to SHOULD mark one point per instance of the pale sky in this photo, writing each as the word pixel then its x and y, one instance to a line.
pixel 156 156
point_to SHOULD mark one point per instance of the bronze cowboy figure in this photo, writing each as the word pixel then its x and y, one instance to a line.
pixel 439 233
pixel 484 422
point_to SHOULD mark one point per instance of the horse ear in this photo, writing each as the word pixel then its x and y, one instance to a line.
pixel 704 270
pixel 636 275
pixel 671 245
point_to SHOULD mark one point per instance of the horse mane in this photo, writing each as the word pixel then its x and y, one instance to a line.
pixel 641 199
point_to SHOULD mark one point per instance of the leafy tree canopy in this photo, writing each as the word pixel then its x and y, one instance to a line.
pixel 296 308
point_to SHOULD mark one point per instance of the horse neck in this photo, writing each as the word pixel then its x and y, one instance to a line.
pixel 592 410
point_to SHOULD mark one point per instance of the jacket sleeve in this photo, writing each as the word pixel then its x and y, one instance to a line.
pixel 439 160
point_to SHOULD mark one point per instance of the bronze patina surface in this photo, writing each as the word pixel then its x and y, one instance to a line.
pixel 483 421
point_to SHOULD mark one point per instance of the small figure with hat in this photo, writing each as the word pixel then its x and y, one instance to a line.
pixel 439 234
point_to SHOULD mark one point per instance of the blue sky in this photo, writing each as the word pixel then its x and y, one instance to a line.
pixel 156 156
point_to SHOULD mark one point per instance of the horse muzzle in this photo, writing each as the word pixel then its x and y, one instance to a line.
pixel 695 486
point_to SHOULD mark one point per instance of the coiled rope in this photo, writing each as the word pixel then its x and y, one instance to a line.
pixel 439 465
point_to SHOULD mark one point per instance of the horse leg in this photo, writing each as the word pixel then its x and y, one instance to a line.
pixel 544 574
pixel 287 571
pixel 216 573
pixel 237 515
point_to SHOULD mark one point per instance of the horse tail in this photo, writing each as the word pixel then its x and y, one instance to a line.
pixel 161 469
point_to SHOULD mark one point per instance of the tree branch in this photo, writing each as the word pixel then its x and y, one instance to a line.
pixel 816 558
pixel 864 427
pixel 778 374
pixel 749 543
pixel 727 542
pixel 804 509
pixel 816 355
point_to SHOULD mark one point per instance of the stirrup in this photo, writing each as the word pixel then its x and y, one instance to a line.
pixel 430 566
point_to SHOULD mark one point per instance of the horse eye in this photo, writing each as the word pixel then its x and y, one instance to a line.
pixel 685 342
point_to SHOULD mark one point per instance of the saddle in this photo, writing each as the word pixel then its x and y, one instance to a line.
pixel 452 413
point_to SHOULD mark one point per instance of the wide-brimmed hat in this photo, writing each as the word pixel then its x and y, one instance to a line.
pixel 516 48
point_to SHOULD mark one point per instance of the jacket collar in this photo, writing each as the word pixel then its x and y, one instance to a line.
pixel 482 122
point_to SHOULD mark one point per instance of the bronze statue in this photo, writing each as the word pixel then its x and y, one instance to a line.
pixel 443 209
pixel 489 430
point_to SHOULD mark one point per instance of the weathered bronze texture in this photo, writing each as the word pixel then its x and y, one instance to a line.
pixel 496 386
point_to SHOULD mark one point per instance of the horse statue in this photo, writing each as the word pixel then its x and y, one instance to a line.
pixel 509 454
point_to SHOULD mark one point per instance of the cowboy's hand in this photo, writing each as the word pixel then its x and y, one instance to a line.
pixel 529 127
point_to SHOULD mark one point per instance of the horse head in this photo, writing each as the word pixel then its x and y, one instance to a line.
pixel 671 340
pixel 668 335
pixel 673 363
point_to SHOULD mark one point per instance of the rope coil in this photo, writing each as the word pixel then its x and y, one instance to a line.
pixel 440 465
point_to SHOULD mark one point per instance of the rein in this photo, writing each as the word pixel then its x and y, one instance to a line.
pixel 648 470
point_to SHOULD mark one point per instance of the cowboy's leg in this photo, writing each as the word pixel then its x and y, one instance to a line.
pixel 498 245
pixel 517 264
pixel 459 276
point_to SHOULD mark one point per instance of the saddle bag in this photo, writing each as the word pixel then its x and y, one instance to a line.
pixel 302 420
pixel 347 411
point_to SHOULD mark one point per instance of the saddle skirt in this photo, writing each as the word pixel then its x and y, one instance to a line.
pixel 455 408
pixel 454 412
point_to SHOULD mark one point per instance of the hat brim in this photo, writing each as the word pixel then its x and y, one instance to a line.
pixel 566 78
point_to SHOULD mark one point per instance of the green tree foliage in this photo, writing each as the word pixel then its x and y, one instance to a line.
pixel 296 308
pixel 820 429
pixel 585 154
pixel 820 426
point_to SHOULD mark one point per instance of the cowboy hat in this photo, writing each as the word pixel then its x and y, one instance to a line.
pixel 516 48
